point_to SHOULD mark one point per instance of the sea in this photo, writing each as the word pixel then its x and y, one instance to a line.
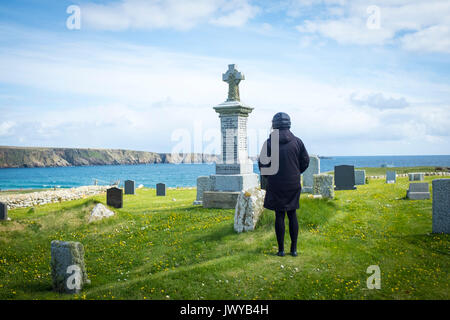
pixel 174 175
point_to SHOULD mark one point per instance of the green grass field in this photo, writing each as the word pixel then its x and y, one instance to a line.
pixel 158 248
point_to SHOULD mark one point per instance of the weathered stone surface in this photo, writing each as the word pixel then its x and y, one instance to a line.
pixel 67 266
pixel 360 177
pixel 308 175
pixel 99 212
pixel 441 206
pixel 3 211
pixel 220 199
pixel 249 206
pixel 114 197
pixel 129 187
pixel 203 184
pixel 418 191
pixel 344 177
pixel 416 176
pixel 324 185
pixel 23 200
pixel 234 183
pixel 161 190
pixel 391 176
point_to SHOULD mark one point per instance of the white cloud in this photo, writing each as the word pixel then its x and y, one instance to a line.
pixel 415 25
pixel 434 39
pixel 5 128
pixel 172 14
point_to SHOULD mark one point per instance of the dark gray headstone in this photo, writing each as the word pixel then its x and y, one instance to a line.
pixel 418 191
pixel 419 187
pixel 114 197
pixel 344 177
pixel 441 206
pixel 161 189
pixel 129 187
pixel 3 211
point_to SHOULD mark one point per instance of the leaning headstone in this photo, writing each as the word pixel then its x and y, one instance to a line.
pixel 344 177
pixel 67 265
pixel 99 212
pixel 161 190
pixel 249 207
pixel 3 211
pixel 308 175
pixel 324 185
pixel 418 191
pixel 360 177
pixel 391 176
pixel 114 197
pixel 416 176
pixel 129 187
pixel 441 206
pixel 203 184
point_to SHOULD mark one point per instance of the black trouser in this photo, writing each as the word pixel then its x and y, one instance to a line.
pixel 293 229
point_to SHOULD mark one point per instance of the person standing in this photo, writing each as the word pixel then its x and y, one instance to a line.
pixel 283 188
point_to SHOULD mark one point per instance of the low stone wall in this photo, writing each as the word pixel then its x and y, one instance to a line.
pixel 32 199
pixel 406 174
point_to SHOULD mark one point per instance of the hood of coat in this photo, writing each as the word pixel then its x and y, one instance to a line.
pixel 285 136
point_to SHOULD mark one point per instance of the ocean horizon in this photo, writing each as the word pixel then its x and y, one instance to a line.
pixel 174 175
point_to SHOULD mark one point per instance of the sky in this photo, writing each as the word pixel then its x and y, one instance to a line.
pixel 356 77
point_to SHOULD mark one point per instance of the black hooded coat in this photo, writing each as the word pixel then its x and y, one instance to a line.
pixel 283 189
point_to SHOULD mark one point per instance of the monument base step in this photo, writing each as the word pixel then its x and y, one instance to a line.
pixel 418 195
pixel 345 188
pixel 220 199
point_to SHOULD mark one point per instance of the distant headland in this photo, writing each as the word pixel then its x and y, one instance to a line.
pixel 34 157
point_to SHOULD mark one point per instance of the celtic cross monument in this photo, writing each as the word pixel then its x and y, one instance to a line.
pixel 234 170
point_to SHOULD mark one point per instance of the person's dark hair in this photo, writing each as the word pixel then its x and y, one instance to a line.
pixel 281 121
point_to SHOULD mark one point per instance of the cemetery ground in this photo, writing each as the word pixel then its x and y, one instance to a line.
pixel 166 248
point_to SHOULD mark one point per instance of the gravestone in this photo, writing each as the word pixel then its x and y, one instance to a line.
pixel 360 177
pixel 249 207
pixel 416 176
pixel 67 266
pixel 391 176
pixel 114 197
pixel 3 211
pixel 324 185
pixel 344 177
pixel 234 170
pixel 129 187
pixel 441 206
pixel 160 190
pixel 308 175
pixel 203 184
pixel 418 191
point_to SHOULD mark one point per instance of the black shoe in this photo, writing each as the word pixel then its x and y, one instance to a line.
pixel 294 253
pixel 280 253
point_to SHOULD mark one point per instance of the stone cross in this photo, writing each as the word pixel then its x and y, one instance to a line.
pixel 233 78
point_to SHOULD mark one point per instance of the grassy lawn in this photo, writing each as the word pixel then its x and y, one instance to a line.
pixel 158 248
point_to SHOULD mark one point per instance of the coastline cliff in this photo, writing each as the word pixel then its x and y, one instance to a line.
pixel 32 157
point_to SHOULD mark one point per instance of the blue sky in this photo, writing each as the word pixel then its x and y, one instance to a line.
pixel 144 74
